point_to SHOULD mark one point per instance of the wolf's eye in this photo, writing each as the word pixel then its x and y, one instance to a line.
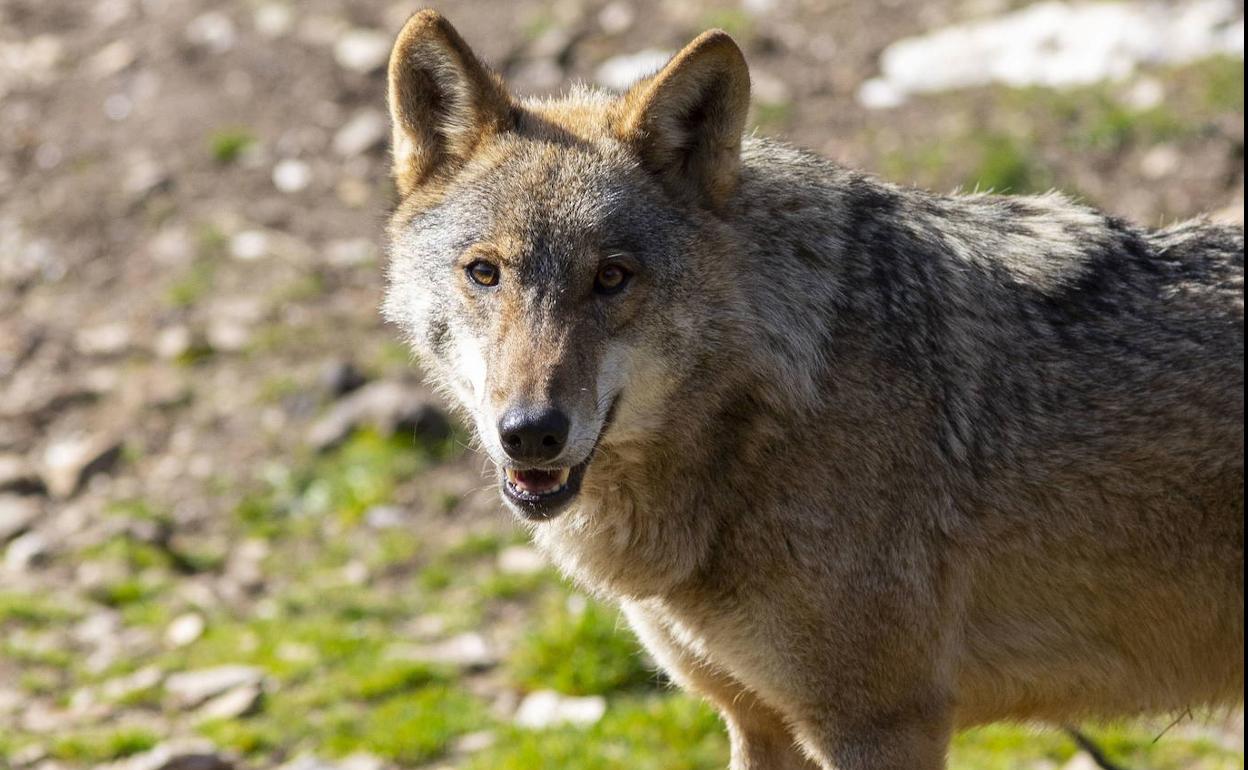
pixel 483 273
pixel 611 279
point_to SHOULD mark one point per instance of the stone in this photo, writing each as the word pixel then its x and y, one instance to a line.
pixel 387 405
pixel 386 517
pixel 17 514
pixel 617 17
pixel 173 342
pixel 214 31
pixel 520 560
pixel 108 339
pixel 467 650
pixel 339 378
pixel 362 50
pixel 69 462
pixel 19 476
pixel 191 688
pixel 250 245
pixel 292 175
pixel 237 702
pixel 351 252
pixel 620 72
pixel 184 629
pixel 124 686
pixel 546 708
pixel 26 551
pixel 365 131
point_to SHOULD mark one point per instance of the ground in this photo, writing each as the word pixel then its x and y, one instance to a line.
pixel 231 519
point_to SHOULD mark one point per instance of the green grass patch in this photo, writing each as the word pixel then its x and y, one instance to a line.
pixel 580 652
pixel 102 745
pixel 25 609
pixel 228 145
pixel 657 732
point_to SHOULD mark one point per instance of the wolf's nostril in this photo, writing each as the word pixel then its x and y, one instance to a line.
pixel 533 435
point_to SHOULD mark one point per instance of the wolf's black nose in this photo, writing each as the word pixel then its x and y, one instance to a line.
pixel 533 434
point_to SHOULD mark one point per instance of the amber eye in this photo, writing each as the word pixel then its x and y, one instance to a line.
pixel 611 279
pixel 483 273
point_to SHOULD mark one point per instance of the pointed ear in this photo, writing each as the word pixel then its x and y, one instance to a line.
pixel 443 101
pixel 686 122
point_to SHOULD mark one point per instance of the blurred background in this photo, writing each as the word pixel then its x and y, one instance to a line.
pixel 235 530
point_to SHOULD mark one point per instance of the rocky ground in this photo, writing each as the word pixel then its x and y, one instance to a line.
pixel 234 529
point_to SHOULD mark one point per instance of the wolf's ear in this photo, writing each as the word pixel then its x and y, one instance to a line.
pixel 686 122
pixel 443 101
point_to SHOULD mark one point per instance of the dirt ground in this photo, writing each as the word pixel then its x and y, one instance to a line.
pixel 191 199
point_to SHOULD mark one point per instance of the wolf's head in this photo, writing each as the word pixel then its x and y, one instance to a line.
pixel 553 263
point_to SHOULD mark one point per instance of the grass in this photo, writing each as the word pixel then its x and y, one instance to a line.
pixel 228 145
pixel 102 745
pixel 657 732
pixel 583 649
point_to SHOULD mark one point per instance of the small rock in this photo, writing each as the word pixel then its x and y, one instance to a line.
pixel 292 176
pixel 17 514
pixel 339 378
pixel 309 762
pixel 107 339
pixel 173 342
pixel 250 245
pixel 182 755
pixel 351 252
pixel 213 30
pixel 1081 761
pixel 620 72
pixel 231 704
pixel 228 336
pixel 184 629
pixel 122 687
pixel 362 50
pixel 361 761
pixel 144 175
pixel 18 475
pixel 520 560
pixel 111 59
pixel 366 130
pixel 386 517
pixel 388 406
pixel 1160 161
pixel 472 743
pixel 69 462
pixel 191 688
pixel 468 650
pixel 617 17
pixel 273 20
pixel 545 708
pixel 26 551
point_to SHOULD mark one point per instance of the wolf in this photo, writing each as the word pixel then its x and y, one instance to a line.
pixel 862 465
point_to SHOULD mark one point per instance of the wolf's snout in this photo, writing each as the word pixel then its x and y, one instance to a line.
pixel 533 434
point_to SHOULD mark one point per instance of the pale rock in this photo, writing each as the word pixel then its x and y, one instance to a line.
pixel 233 703
pixel 213 30
pixel 17 514
pixel 107 339
pixel 520 560
pixel 366 130
pixel 68 462
pixel 351 252
pixel 185 629
pixel 273 20
pixel 362 50
pixel 292 175
pixel 191 688
pixel 617 17
pixel 620 72
pixel 250 245
pixel 172 342
pixel 546 708
pixel 26 551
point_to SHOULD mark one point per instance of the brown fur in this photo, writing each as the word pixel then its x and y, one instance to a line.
pixel 865 465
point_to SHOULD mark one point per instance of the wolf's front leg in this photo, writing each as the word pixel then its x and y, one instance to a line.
pixel 759 737
pixel 914 738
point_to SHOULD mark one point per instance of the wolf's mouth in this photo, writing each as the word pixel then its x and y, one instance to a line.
pixel 540 494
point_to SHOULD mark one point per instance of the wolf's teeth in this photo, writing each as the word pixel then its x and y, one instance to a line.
pixel 563 476
pixel 512 475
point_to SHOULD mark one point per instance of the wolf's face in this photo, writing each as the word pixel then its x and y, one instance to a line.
pixel 543 253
